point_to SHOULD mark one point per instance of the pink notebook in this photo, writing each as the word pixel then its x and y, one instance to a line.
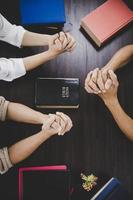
pixel 106 20
pixel 46 182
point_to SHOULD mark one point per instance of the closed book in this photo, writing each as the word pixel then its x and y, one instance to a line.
pixel 57 93
pixel 119 193
pixel 33 12
pixel 106 189
pixel 44 182
pixel 112 190
pixel 106 20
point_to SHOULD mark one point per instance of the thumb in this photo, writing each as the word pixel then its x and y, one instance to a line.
pixel 108 84
pixel 105 75
pixel 48 122
pixel 56 126
pixel 62 36
pixel 113 77
pixel 55 36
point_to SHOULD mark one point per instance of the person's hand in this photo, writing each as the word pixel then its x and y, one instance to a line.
pixel 64 122
pixel 56 48
pixel 91 82
pixel 105 76
pixel 64 42
pixel 67 41
pixel 110 94
pixel 51 39
pixel 61 124
pixel 98 81
pixel 48 128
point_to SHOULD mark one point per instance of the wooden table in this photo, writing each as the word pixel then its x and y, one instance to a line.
pixel 95 144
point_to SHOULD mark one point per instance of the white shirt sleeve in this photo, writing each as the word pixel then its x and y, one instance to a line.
pixel 11 34
pixel 11 69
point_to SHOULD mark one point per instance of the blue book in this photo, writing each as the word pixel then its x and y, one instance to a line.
pixel 107 189
pixel 119 193
pixel 33 12
pixel 112 190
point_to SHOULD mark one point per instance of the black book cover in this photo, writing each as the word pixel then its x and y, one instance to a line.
pixel 57 93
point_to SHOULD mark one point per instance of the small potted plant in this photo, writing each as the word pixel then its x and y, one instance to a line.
pixel 83 186
pixel 89 181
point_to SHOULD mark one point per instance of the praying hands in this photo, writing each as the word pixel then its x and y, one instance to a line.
pixel 104 83
pixel 60 125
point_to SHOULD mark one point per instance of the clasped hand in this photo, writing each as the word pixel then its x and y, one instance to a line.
pixel 58 123
pixel 103 83
pixel 62 42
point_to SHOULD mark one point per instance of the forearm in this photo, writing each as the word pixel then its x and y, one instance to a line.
pixel 34 61
pixel 34 39
pixel 124 122
pixel 121 58
pixel 21 113
pixel 24 148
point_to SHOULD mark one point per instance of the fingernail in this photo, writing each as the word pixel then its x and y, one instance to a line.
pixel 98 92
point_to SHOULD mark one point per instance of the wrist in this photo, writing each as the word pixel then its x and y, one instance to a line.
pixel 41 117
pixel 44 135
pixel 46 39
pixel 47 134
pixel 111 102
pixel 52 54
pixel 109 67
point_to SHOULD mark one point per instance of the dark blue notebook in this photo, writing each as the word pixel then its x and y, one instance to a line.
pixel 119 193
pixel 34 12
pixel 112 190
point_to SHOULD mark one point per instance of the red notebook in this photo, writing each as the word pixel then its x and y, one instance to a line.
pixel 44 182
pixel 106 20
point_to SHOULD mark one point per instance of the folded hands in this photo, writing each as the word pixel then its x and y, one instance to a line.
pixel 102 82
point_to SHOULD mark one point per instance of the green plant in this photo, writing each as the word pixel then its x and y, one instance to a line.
pixel 89 181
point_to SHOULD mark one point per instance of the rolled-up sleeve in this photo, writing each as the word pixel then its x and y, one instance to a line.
pixel 3 108
pixel 5 162
pixel 11 34
pixel 11 69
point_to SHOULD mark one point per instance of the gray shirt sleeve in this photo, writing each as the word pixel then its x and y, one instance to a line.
pixel 3 108
pixel 5 162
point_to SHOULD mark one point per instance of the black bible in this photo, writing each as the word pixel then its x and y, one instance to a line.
pixel 57 92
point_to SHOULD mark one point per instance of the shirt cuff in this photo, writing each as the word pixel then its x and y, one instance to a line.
pixel 3 108
pixel 5 162
pixel 21 32
pixel 15 35
pixel 3 116
pixel 19 68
